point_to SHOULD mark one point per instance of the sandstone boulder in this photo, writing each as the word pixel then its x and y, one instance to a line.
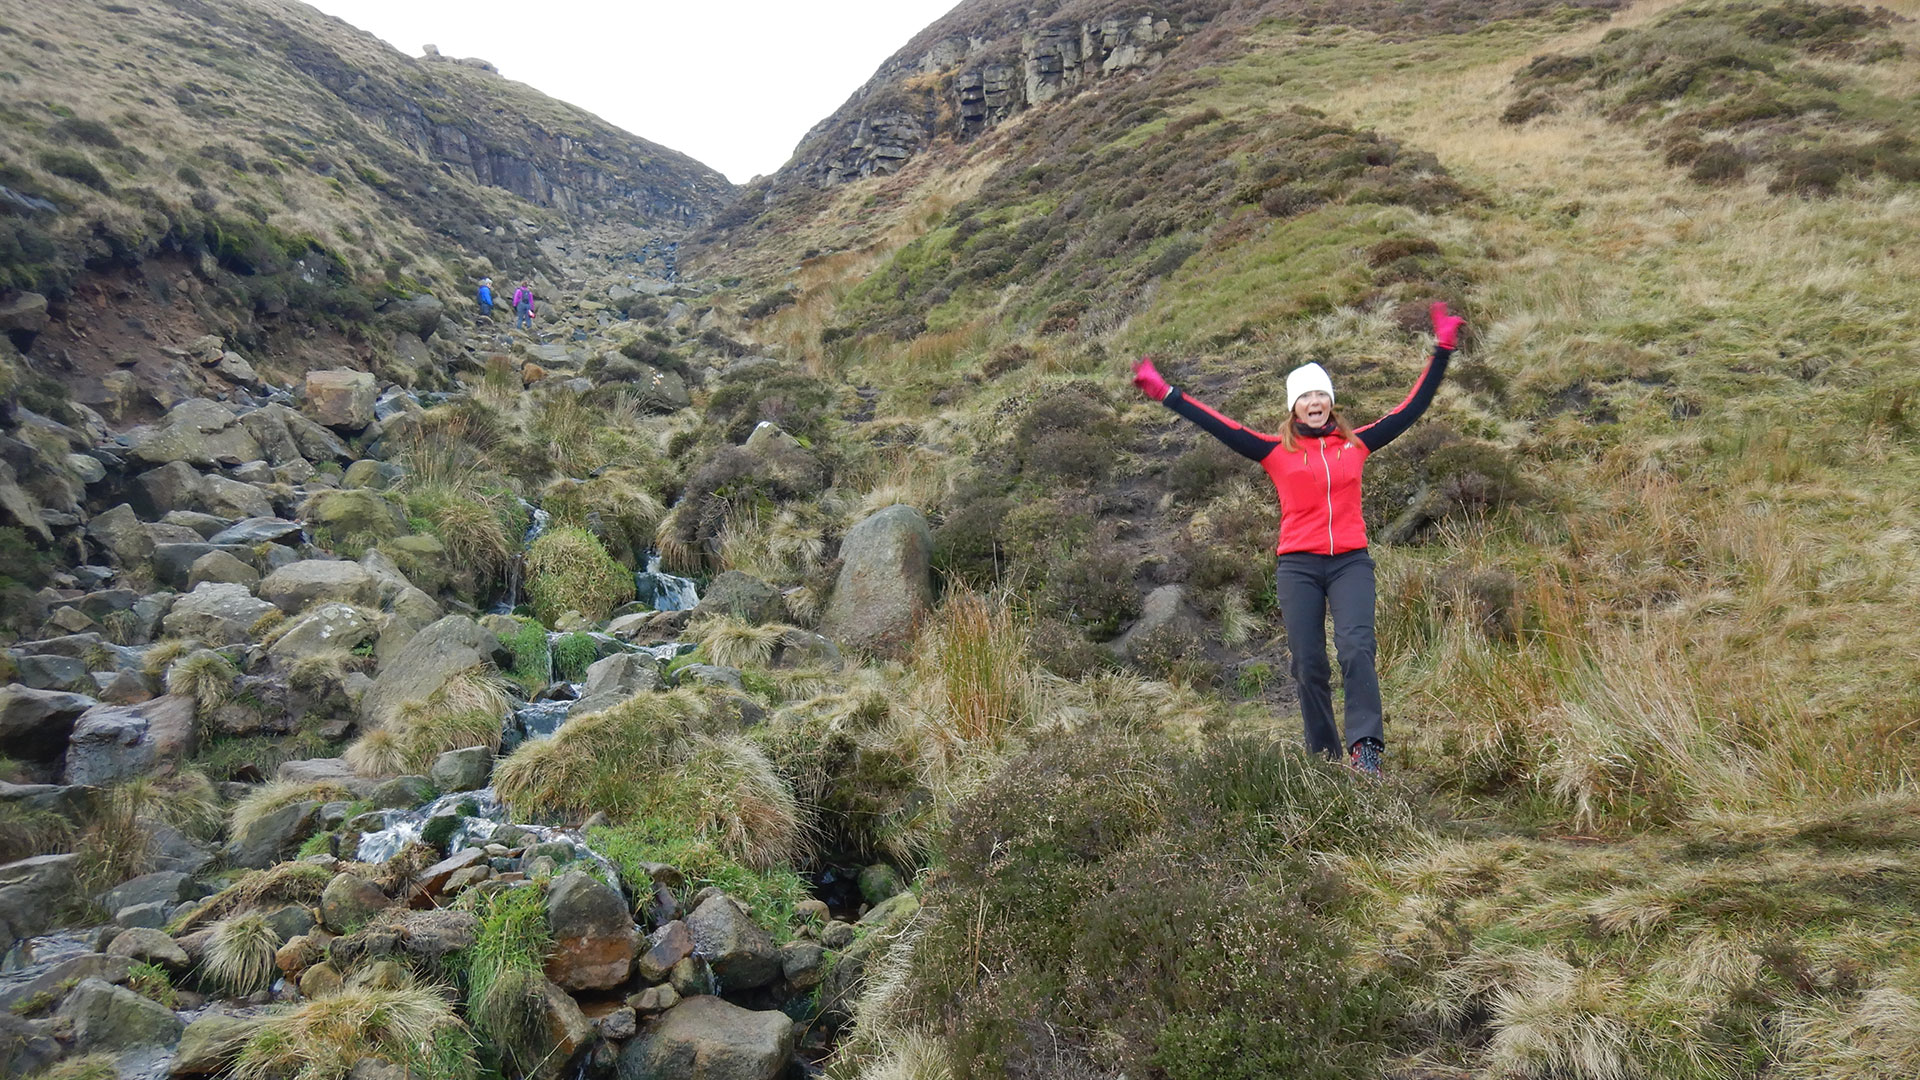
pixel 233 499
pixel 453 644
pixel 218 614
pixel 885 587
pixel 705 1038
pixel 295 587
pixel 32 892
pixel 115 743
pixel 221 568
pixel 613 680
pixel 121 532
pixel 35 724
pixel 341 399
pixel 362 514
pixel 742 597
pixel 105 1017
pixel 148 946
pixel 272 838
pixel 740 952
pixel 348 902
pixel 198 431
pixel 210 1044
pixel 593 933
pixel 466 769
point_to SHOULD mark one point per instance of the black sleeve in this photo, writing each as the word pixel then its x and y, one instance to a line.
pixel 1248 444
pixel 1394 424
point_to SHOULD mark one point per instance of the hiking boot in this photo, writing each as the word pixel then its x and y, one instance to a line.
pixel 1365 757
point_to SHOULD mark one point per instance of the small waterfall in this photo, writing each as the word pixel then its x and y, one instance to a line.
pixel 540 519
pixel 664 592
pixel 403 827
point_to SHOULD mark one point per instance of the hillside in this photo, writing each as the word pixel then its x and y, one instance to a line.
pixel 351 677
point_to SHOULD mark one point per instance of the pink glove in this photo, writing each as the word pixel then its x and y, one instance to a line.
pixel 1446 328
pixel 1148 379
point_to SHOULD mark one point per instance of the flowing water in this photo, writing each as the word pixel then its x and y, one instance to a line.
pixel 664 592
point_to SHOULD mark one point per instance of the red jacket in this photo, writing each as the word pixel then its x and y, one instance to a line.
pixel 1319 482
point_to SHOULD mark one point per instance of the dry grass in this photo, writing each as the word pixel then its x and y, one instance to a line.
pixel 469 709
pixel 287 883
pixel 324 1039
pixel 276 794
pixel 657 755
pixel 240 954
pixel 736 643
pixel 380 752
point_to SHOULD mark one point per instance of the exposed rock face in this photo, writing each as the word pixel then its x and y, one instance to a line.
pixel 593 935
pixel 197 431
pixel 885 584
pixel 705 1038
pixel 328 628
pixel 31 891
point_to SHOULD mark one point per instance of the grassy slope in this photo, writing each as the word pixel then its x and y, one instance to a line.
pixel 1657 863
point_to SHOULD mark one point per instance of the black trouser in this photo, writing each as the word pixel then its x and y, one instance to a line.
pixel 1308 585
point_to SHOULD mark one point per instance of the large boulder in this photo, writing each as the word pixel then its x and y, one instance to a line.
pixel 466 769
pixel 568 1031
pixel 329 628
pixel 35 724
pixel 221 568
pixel 363 515
pixel 107 1017
pixel 593 934
pixel 115 743
pixel 310 441
pixel 418 315
pixel 740 952
pixel 295 587
pixel 780 459
pixel 613 680
pixel 217 614
pixel 169 488
pixel 348 902
pixel 342 398
pixel 197 431
pixel 424 664
pixel 32 891
pixel 161 886
pixel 121 532
pixel 741 596
pixel 145 945
pixel 705 1038
pixel 233 499
pixel 258 530
pixel 885 585
pixel 273 837
pixel 173 562
pixel 210 1044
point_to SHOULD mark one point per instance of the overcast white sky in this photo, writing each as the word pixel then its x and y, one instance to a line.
pixel 733 83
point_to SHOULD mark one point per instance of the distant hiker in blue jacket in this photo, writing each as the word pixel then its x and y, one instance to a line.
pixel 486 297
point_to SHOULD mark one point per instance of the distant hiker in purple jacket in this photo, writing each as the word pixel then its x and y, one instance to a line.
pixel 523 306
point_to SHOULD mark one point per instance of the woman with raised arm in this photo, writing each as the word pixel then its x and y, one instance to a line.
pixel 1315 463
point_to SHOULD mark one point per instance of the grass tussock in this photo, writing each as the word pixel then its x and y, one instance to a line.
pixel 414 1028
pixel 506 979
pixel 274 795
pixel 567 569
pixel 205 676
pixel 658 755
pixel 286 883
pixel 468 709
pixel 736 643
pixel 240 954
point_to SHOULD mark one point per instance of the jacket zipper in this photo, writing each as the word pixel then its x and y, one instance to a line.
pixel 1329 471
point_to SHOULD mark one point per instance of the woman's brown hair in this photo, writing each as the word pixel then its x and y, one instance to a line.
pixel 1290 442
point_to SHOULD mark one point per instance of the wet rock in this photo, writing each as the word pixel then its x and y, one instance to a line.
pixel 708 1038
pixel 692 977
pixel 803 964
pixel 467 769
pixel 348 902
pixel 593 935
pixel 885 587
pixel 258 530
pixel 740 952
pixel 401 793
pixel 667 946
pixel 106 1017
pixel 112 743
pixel 433 878
pixel 216 614
pixel 341 399
pixel 65 974
pixel 300 585
pixel 210 1044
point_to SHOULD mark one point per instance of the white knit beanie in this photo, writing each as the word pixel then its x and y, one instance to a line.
pixel 1305 379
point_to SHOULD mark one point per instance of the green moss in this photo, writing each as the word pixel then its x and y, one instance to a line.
pixel 772 894
pixel 573 654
